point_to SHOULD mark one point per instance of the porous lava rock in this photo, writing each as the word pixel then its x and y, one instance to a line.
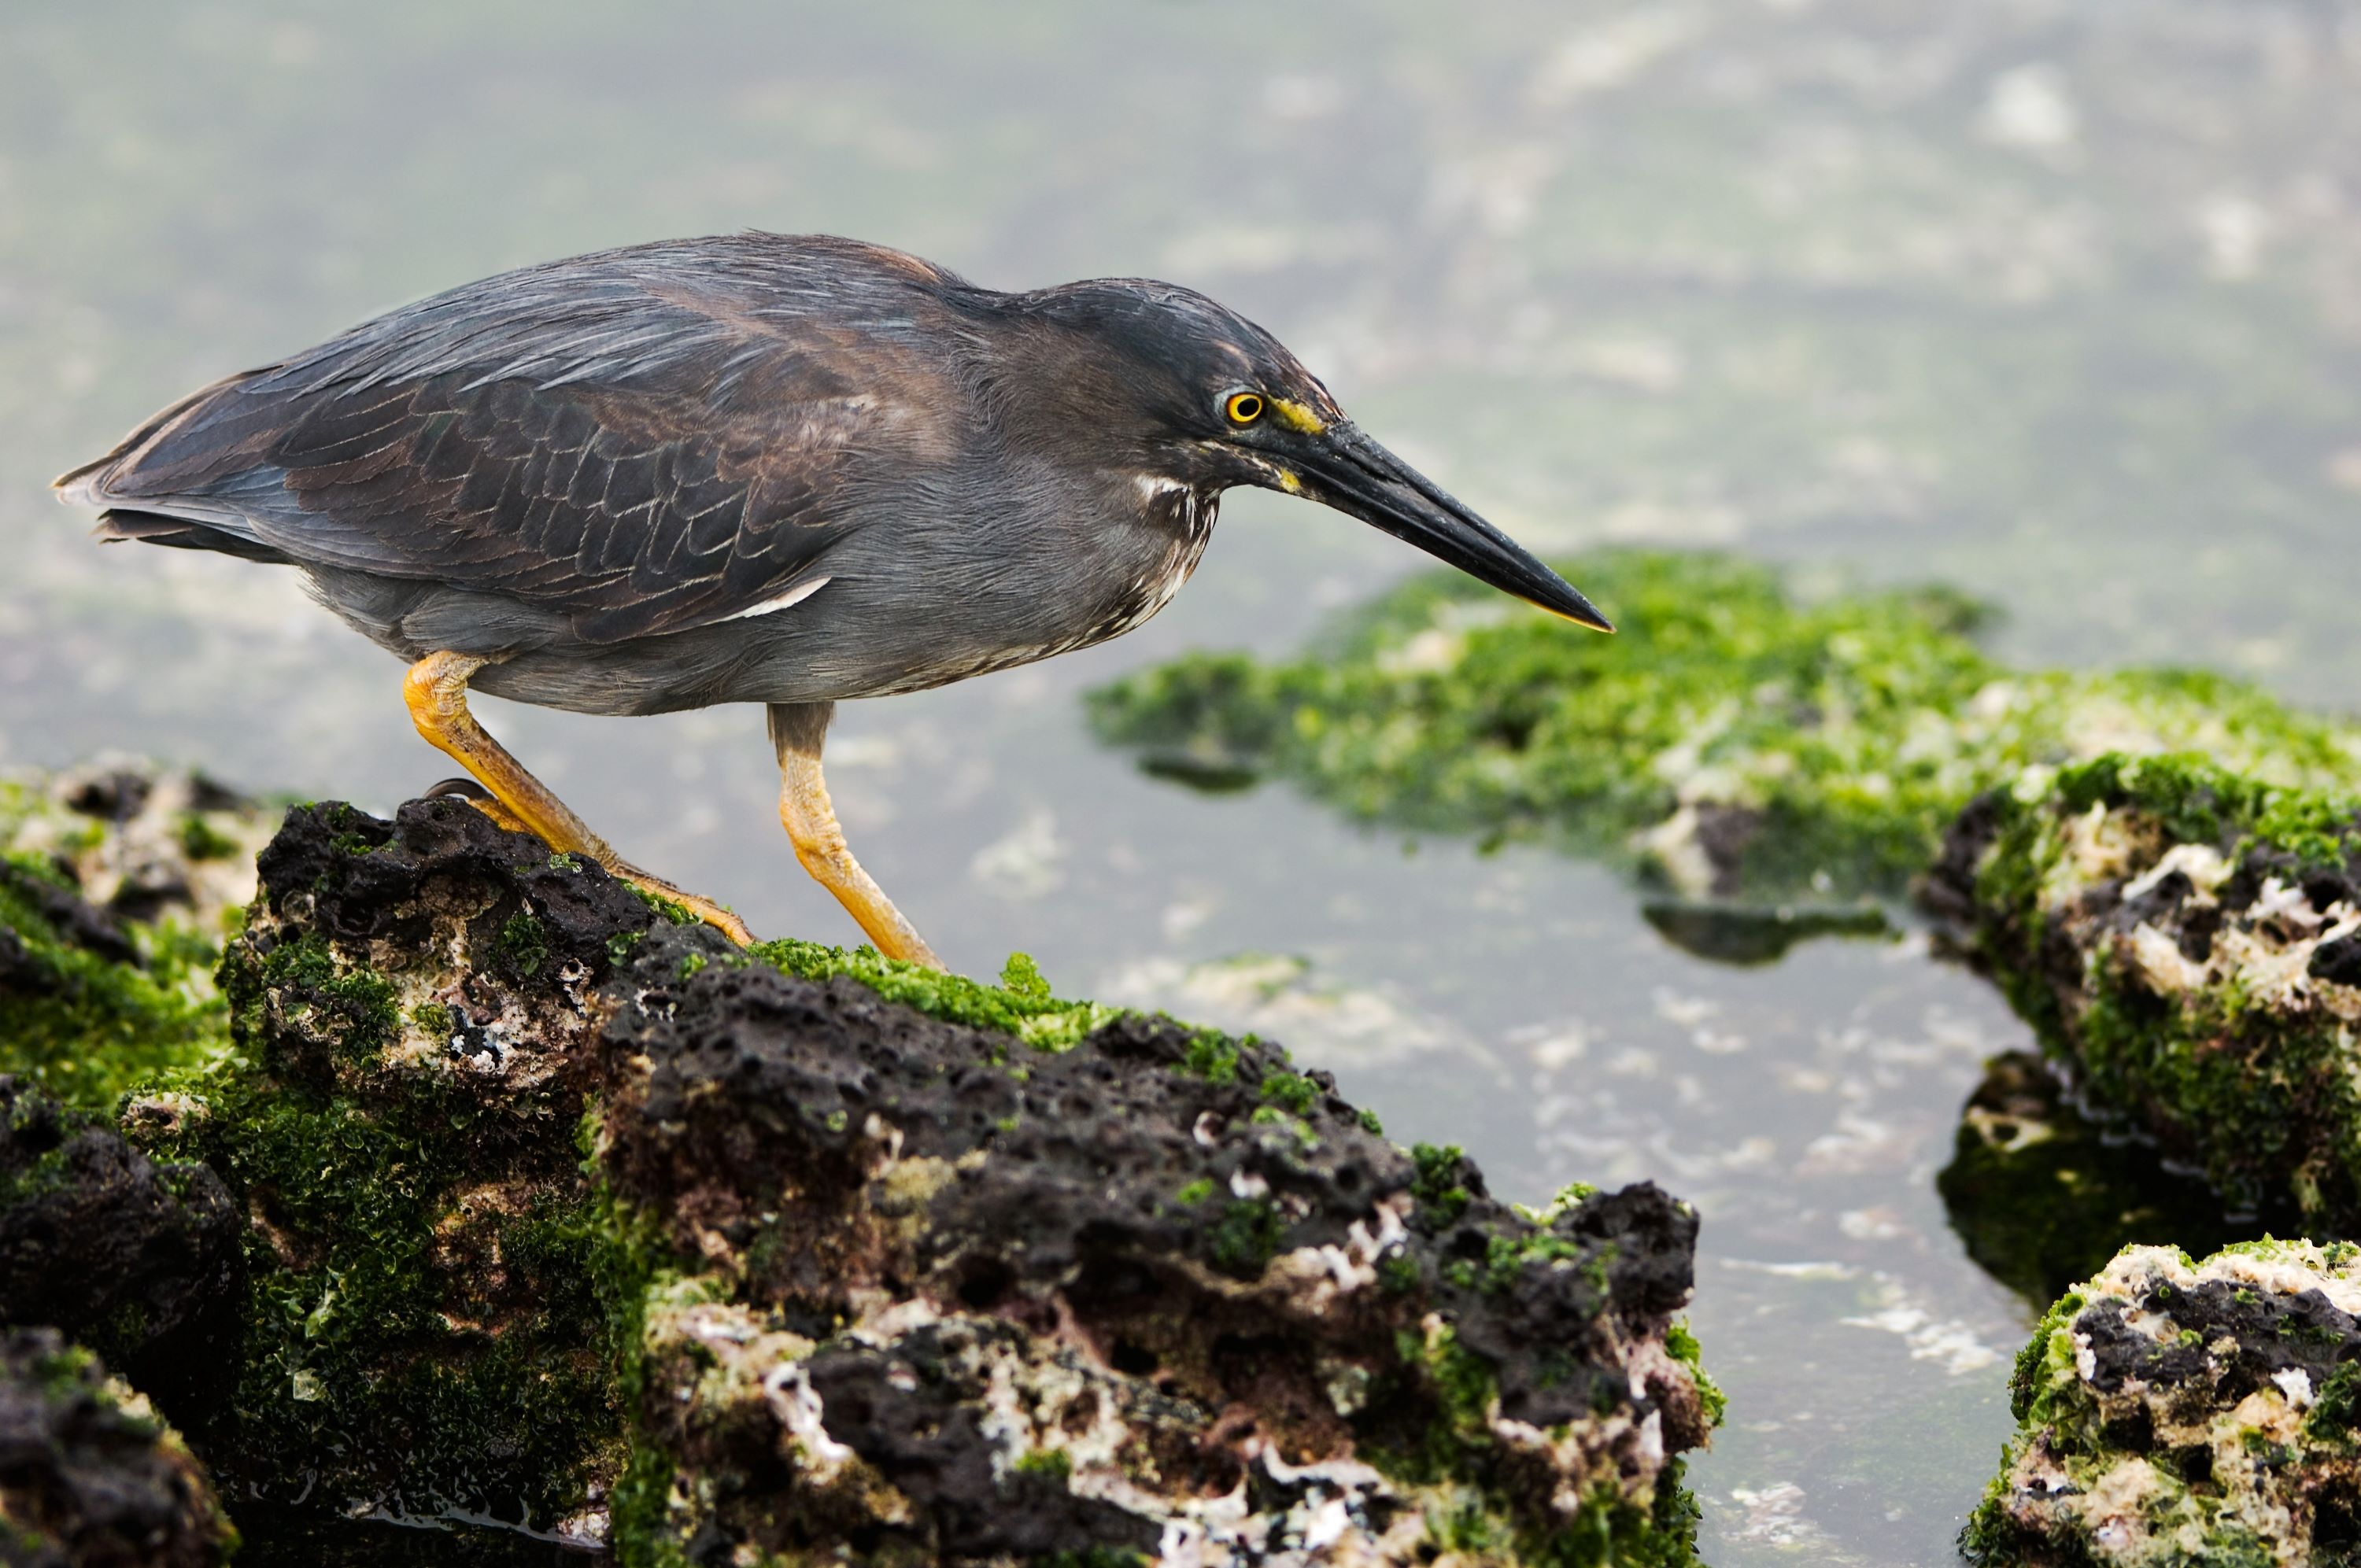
pixel 2182 939
pixel 413 1003
pixel 2181 1413
pixel 928 1290
pixel 89 1476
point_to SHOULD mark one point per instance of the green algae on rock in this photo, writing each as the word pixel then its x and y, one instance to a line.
pixel 424 1339
pixel 115 883
pixel 91 1474
pixel 2173 1412
pixel 1734 738
pixel 2187 943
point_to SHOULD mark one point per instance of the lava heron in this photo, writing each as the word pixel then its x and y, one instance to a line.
pixel 756 468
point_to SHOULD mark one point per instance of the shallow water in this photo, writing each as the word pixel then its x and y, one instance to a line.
pixel 2058 302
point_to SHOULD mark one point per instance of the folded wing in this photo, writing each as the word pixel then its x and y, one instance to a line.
pixel 641 442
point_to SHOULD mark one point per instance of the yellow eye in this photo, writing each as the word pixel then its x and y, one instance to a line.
pixel 1244 408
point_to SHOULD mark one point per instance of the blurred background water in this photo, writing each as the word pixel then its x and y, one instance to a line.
pixel 2056 301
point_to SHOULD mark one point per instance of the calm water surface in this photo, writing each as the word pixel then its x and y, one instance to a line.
pixel 2058 303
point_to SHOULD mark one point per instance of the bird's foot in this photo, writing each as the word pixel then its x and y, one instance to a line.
pixel 705 909
pixel 482 799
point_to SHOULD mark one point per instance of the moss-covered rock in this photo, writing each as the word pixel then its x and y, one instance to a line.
pixel 963 1296
pixel 423 1334
pixel 116 882
pixel 2184 1413
pixel 2187 941
pixel 90 1475
pixel 1735 737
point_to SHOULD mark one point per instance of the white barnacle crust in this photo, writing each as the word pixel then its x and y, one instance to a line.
pixel 787 1389
pixel 2203 864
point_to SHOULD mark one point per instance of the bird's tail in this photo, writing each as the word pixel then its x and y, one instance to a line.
pixel 181 533
pixel 130 510
pixel 87 486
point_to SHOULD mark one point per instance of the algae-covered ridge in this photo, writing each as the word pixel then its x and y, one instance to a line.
pixel 2177 1412
pixel 1735 737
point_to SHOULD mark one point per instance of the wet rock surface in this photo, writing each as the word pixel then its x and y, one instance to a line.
pixel 90 1475
pixel 2178 935
pixel 2043 1193
pixel 539 1212
pixel 2181 1413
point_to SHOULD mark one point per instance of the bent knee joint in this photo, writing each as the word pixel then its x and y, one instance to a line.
pixel 435 688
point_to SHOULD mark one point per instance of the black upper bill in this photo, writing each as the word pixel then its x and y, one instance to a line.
pixel 1356 474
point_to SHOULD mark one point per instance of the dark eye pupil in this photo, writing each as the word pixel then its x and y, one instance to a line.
pixel 1244 407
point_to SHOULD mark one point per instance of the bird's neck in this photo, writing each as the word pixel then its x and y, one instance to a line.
pixel 1176 508
pixel 1174 522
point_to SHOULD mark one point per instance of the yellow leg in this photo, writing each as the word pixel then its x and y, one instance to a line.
pixel 797 730
pixel 436 690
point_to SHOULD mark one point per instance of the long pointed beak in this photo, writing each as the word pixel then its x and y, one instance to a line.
pixel 1355 474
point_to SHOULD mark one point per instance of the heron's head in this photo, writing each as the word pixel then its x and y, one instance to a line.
pixel 1198 395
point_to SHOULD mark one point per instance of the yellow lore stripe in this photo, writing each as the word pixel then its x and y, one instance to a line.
pixel 1296 416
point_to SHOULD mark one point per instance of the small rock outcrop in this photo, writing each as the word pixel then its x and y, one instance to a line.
pixel 90 1475
pixel 414 1005
pixel 2179 1413
pixel 138 1260
pixel 2186 942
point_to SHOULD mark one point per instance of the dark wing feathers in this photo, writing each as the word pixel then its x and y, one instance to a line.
pixel 645 439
